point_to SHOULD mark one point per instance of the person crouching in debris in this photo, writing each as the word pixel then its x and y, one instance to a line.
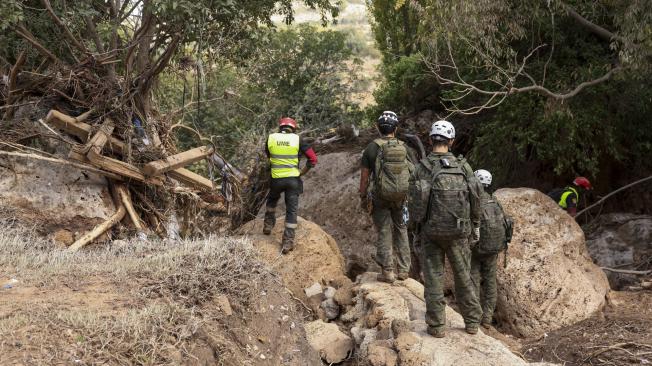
pixel 495 234
pixel 568 198
pixel 284 149
pixel 445 203
pixel 386 160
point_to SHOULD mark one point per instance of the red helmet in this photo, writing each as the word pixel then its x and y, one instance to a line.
pixel 287 121
pixel 583 182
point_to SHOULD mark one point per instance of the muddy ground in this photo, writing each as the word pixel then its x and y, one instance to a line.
pixel 621 335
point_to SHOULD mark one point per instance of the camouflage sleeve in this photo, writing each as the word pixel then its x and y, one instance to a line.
pixel 475 188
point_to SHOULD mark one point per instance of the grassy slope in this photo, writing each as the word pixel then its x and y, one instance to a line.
pixel 142 303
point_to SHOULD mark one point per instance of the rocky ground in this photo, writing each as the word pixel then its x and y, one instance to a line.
pixel 237 301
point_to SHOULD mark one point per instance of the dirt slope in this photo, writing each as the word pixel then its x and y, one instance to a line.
pixel 316 257
pixel 206 302
pixel 331 200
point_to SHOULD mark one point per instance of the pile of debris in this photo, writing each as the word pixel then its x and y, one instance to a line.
pixel 149 188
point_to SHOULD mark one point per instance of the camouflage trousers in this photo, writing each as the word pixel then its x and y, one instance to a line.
pixel 392 236
pixel 483 272
pixel 456 251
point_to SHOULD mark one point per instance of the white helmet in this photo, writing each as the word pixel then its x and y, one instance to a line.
pixel 483 176
pixel 444 129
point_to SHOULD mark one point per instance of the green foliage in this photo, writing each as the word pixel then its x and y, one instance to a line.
pixel 10 13
pixel 301 71
pixel 405 87
pixel 602 125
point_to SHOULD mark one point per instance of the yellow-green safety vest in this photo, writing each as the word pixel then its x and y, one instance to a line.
pixel 564 196
pixel 284 154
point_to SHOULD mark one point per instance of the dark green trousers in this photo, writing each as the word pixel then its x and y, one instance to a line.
pixel 483 272
pixel 392 236
pixel 456 251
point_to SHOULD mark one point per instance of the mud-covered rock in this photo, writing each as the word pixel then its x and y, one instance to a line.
pixel 620 240
pixel 331 309
pixel 315 258
pixel 550 280
pixel 402 305
pixel 53 197
pixel 332 344
pixel 380 353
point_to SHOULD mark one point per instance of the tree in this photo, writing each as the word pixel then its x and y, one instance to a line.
pixel 124 45
pixel 481 52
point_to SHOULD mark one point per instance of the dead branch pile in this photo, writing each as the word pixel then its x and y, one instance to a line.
pixel 105 134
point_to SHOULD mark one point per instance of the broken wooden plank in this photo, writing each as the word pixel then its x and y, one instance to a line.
pixel 73 126
pixel 189 178
pixel 100 138
pixel 180 160
pixel 68 124
pixel 94 155
pixel 101 228
pixel 119 167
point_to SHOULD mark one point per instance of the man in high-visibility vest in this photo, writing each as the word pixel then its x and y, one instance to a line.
pixel 569 197
pixel 284 149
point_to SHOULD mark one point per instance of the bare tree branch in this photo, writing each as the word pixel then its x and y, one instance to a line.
pixel 13 75
pixel 592 27
pixel 498 94
pixel 562 96
pixel 29 37
pixel 80 46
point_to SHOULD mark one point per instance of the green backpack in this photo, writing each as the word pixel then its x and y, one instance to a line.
pixel 495 227
pixel 393 170
pixel 447 213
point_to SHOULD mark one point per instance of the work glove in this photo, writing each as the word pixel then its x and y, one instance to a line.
pixel 476 234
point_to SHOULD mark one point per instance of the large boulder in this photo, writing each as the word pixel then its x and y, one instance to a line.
pixel 620 239
pixel 390 318
pixel 550 280
pixel 52 196
pixel 316 257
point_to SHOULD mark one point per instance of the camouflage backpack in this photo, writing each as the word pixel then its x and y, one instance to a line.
pixel 392 172
pixel 446 215
pixel 494 227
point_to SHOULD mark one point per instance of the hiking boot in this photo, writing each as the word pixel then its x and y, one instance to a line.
pixel 288 241
pixel 436 332
pixel 403 276
pixel 269 222
pixel 486 324
pixel 387 276
pixel 472 329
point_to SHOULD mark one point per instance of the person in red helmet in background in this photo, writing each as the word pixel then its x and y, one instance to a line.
pixel 284 148
pixel 569 197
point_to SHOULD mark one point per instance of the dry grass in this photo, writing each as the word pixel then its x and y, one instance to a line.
pixel 188 271
pixel 165 283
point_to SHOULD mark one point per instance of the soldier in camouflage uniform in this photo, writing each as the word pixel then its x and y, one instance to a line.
pixel 485 252
pixel 455 247
pixel 387 214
